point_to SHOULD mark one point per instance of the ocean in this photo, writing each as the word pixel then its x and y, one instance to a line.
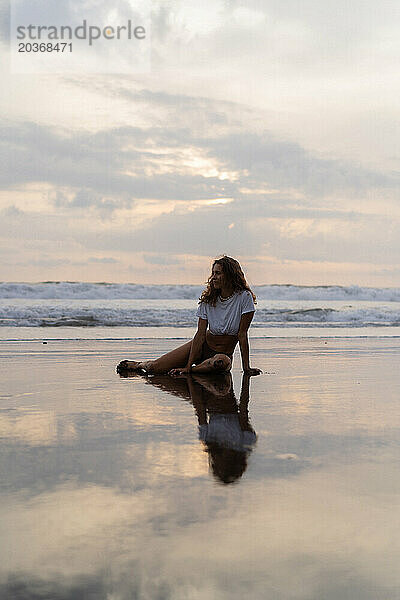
pixel 113 311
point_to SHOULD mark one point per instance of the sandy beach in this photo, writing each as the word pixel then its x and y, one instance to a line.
pixel 108 490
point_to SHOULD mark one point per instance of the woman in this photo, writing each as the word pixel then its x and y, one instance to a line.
pixel 225 311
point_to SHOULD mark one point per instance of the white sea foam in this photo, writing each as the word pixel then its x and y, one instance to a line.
pixel 181 313
pixel 60 304
pixel 327 292
pixel 93 291
pixel 111 291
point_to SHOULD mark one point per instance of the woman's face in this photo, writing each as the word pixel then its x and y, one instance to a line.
pixel 218 277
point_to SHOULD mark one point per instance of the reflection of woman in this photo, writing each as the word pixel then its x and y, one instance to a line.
pixel 225 312
pixel 224 426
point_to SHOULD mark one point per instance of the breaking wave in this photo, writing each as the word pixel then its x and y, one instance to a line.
pixel 114 291
pixel 114 313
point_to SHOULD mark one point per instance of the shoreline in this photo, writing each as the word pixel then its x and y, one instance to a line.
pixel 26 334
pixel 149 348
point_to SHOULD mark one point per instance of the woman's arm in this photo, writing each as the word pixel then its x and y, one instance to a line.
pixel 244 343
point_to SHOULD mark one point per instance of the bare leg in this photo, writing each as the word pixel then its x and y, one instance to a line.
pixel 220 363
pixel 176 358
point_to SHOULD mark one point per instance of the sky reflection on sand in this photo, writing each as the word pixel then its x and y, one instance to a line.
pixel 107 491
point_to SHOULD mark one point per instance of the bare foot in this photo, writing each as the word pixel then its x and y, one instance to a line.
pixel 129 365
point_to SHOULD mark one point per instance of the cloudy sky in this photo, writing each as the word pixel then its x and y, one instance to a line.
pixel 266 129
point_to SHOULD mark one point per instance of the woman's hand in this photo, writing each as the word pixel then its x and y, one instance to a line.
pixel 181 371
pixel 251 371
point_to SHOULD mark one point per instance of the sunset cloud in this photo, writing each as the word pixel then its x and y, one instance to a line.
pixel 263 130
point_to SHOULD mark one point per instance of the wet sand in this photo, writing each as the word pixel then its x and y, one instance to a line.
pixel 111 488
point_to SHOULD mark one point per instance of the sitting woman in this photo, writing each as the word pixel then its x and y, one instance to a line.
pixel 225 311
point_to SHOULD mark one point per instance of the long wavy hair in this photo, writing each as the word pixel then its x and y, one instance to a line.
pixel 233 273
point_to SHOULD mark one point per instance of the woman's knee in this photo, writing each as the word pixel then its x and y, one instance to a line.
pixel 221 362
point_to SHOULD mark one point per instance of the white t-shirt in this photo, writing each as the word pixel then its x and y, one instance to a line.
pixel 224 317
pixel 225 430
